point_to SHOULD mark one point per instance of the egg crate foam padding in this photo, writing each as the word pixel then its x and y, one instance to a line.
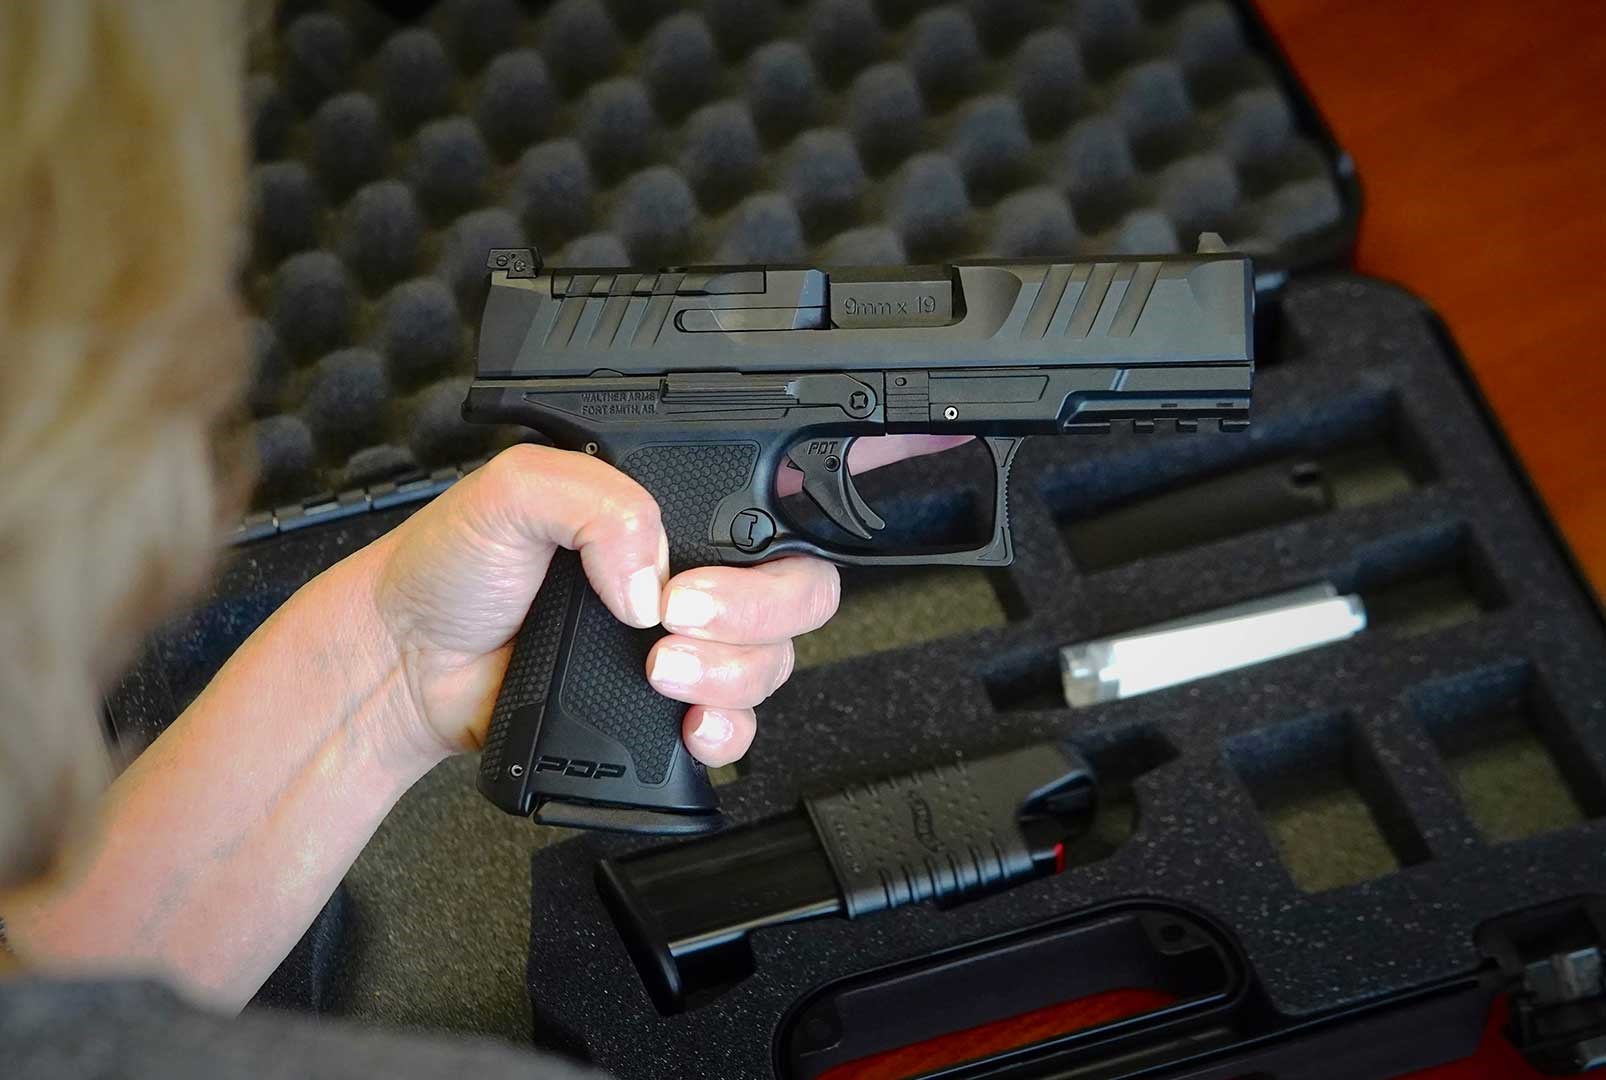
pixel 389 157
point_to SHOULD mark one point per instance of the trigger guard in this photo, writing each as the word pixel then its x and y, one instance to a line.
pixel 740 510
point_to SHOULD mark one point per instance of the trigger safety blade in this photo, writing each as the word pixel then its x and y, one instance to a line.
pixel 824 463
pixel 862 508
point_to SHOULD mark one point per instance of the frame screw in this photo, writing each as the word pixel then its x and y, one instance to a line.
pixel 833 463
pixel 591 448
pixel 515 771
pixel 950 413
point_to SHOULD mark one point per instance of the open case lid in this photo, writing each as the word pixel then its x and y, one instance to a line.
pixel 391 155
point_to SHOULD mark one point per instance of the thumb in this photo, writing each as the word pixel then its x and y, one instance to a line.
pixel 529 500
pixel 534 497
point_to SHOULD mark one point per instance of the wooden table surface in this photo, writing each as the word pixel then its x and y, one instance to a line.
pixel 1478 128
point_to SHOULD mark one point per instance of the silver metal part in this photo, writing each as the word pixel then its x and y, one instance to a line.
pixel 1208 643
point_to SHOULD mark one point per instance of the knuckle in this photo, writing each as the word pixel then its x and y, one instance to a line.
pixel 741 605
pixel 487 493
pixel 749 674
pixel 788 663
pixel 749 617
pixel 517 462
pixel 824 596
pixel 632 509
pixel 508 475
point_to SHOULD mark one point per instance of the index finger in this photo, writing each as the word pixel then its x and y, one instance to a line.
pixel 752 605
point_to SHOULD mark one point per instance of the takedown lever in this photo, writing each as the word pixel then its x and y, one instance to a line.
pixel 824 464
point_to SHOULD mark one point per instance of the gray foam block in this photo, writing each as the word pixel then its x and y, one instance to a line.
pixel 722 153
pixel 617 124
pixel 422 331
pixel 516 100
pixel 843 36
pixel 825 177
pixel 766 229
pixel 680 64
pixel 450 165
pixel 346 403
pixel 320 54
pixel 416 77
pixel 441 944
pixel 944 54
pixel 286 208
pixel 381 232
pixel 312 302
pixel 580 42
pixel 348 142
pixel 269 114
pixel 886 113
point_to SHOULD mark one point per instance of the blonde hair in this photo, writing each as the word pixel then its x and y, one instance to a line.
pixel 121 344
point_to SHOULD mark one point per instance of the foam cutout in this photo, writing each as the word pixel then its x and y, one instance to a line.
pixel 1351 813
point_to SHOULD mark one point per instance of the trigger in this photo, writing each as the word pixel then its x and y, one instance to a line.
pixel 824 464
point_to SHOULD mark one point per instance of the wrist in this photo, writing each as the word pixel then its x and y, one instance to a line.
pixel 338 621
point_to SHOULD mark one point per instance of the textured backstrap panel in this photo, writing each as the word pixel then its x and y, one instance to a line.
pixel 531 669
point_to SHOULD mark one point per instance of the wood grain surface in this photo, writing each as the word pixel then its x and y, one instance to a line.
pixel 1478 128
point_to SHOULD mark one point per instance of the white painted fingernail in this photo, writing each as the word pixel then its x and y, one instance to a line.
pixel 663 556
pixel 715 727
pixel 641 594
pixel 689 608
pixel 677 668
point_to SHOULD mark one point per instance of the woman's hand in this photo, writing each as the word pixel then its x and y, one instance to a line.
pixel 453 584
pixel 270 783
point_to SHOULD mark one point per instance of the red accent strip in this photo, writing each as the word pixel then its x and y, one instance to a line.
pixel 987 1039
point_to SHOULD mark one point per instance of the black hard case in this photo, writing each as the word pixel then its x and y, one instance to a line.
pixel 1365 977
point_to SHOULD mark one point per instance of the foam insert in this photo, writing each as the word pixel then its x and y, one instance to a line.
pixel 1350 813
pixel 389 156
pixel 1328 807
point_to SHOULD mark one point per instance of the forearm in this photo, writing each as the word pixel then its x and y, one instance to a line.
pixel 221 842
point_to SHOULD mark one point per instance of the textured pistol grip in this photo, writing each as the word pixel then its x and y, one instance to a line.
pixel 576 719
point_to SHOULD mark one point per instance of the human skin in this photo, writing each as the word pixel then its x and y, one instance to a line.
pixel 220 843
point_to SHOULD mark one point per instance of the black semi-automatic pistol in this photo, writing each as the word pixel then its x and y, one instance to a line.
pixel 701 382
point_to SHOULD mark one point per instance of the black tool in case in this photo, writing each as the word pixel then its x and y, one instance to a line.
pixel 1329 863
